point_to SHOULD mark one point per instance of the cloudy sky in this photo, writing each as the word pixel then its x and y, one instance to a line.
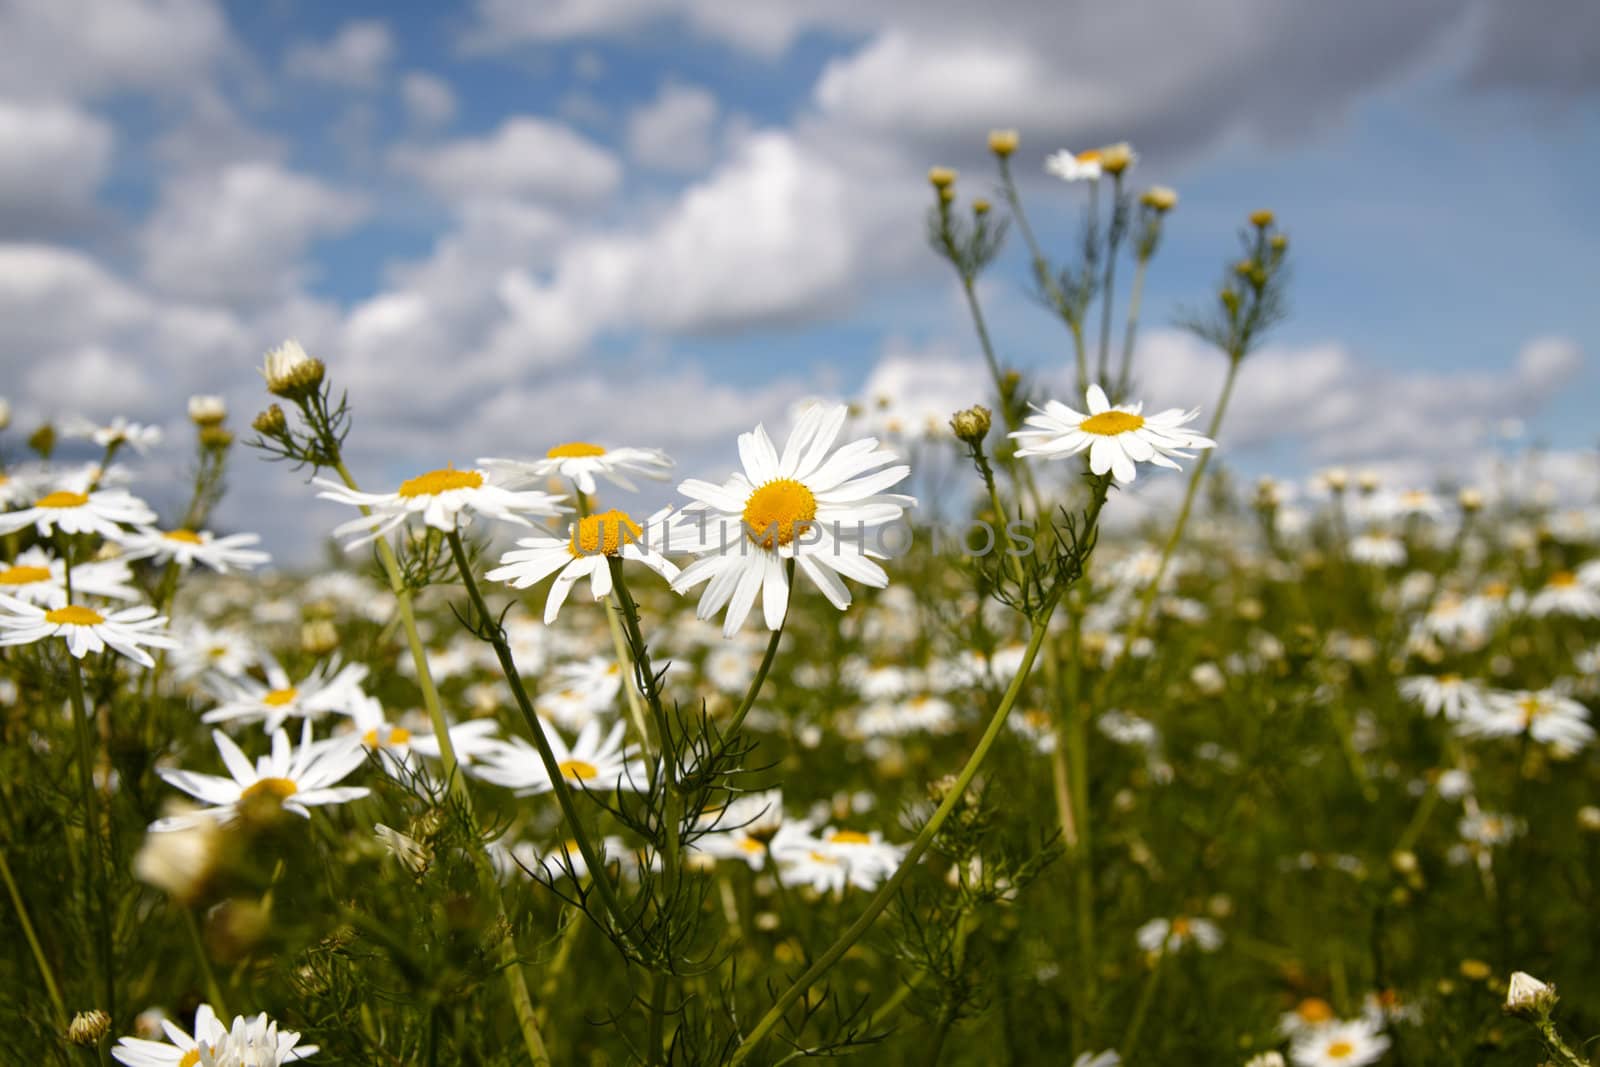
pixel 505 224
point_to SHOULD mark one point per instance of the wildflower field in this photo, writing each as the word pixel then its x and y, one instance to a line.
pixel 891 747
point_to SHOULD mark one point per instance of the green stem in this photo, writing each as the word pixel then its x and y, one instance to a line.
pixel 516 981
pixel 760 679
pixel 1142 1008
pixel 1135 298
pixel 558 780
pixel 619 647
pixel 1108 292
pixel 105 960
pixel 924 839
pixel 213 990
pixel 1041 269
pixel 49 977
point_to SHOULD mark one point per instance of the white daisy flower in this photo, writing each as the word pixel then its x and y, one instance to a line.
pixel 1172 935
pixel 100 511
pixel 201 650
pixel 1565 594
pixel 587 551
pixel 328 688
pixel 813 504
pixel 257 1042
pixel 1074 167
pixel 1488 829
pixel 579 462
pixel 470 741
pixel 445 500
pixel 1547 716
pixel 1378 549
pixel 1308 1017
pixel 128 631
pixel 740 831
pixel 1449 695
pixel 298 778
pixel 592 763
pixel 580 690
pixel 40 578
pixel 834 858
pixel 187 547
pixel 1352 1043
pixel 119 431
pixel 1109 1058
pixel 1116 438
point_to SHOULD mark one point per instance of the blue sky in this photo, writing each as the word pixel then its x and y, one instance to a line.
pixel 656 221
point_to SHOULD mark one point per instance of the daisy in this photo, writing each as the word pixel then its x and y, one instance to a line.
pixel 444 498
pixel 1163 935
pixel 1378 549
pixel 835 858
pixel 328 688
pixel 592 543
pixel 580 690
pixel 1449 695
pixel 257 1042
pixel 97 511
pixel 1341 1044
pixel 201 649
pixel 40 578
pixel 741 830
pixel 1488 829
pixel 1564 594
pixel 1308 1017
pixel 1070 167
pixel 591 763
pixel 580 461
pixel 1547 716
pixel 1116 438
pixel 297 778
pixel 187 547
pixel 128 631
pixel 470 741
pixel 119 431
pixel 812 504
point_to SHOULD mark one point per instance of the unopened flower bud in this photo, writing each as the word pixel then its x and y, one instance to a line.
pixel 216 438
pixel 290 373
pixel 941 177
pixel 271 422
pixel 1367 481
pixel 318 637
pixel 1470 500
pixel 207 410
pixel 88 1027
pixel 1003 142
pixel 1337 479
pixel 1589 818
pixel 1261 219
pixel 1116 158
pixel 1526 995
pixel 1230 301
pixel 43 441
pixel 980 207
pixel 1160 198
pixel 5 413
pixel 971 425
pixel 1278 242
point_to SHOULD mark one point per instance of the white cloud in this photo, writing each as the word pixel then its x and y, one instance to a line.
pixel 527 158
pixel 95 47
pixel 240 233
pixel 428 98
pixel 766 27
pixel 673 132
pixel 357 57
pixel 55 158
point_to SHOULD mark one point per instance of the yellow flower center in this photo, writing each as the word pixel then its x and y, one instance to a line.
pixel 1531 708
pixel 1180 927
pixel 575 450
pixel 63 500
pixel 190 1058
pixel 74 615
pixel 1314 1010
pixel 778 511
pixel 1449 679
pixel 277 698
pixel 188 537
pixel 577 768
pixel 397 736
pixel 281 788
pixel 850 837
pixel 1338 1050
pixel 751 845
pixel 24 575
pixel 604 532
pixel 1563 580
pixel 1111 423
pixel 440 481
pixel 1496 590
pixel 1091 155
